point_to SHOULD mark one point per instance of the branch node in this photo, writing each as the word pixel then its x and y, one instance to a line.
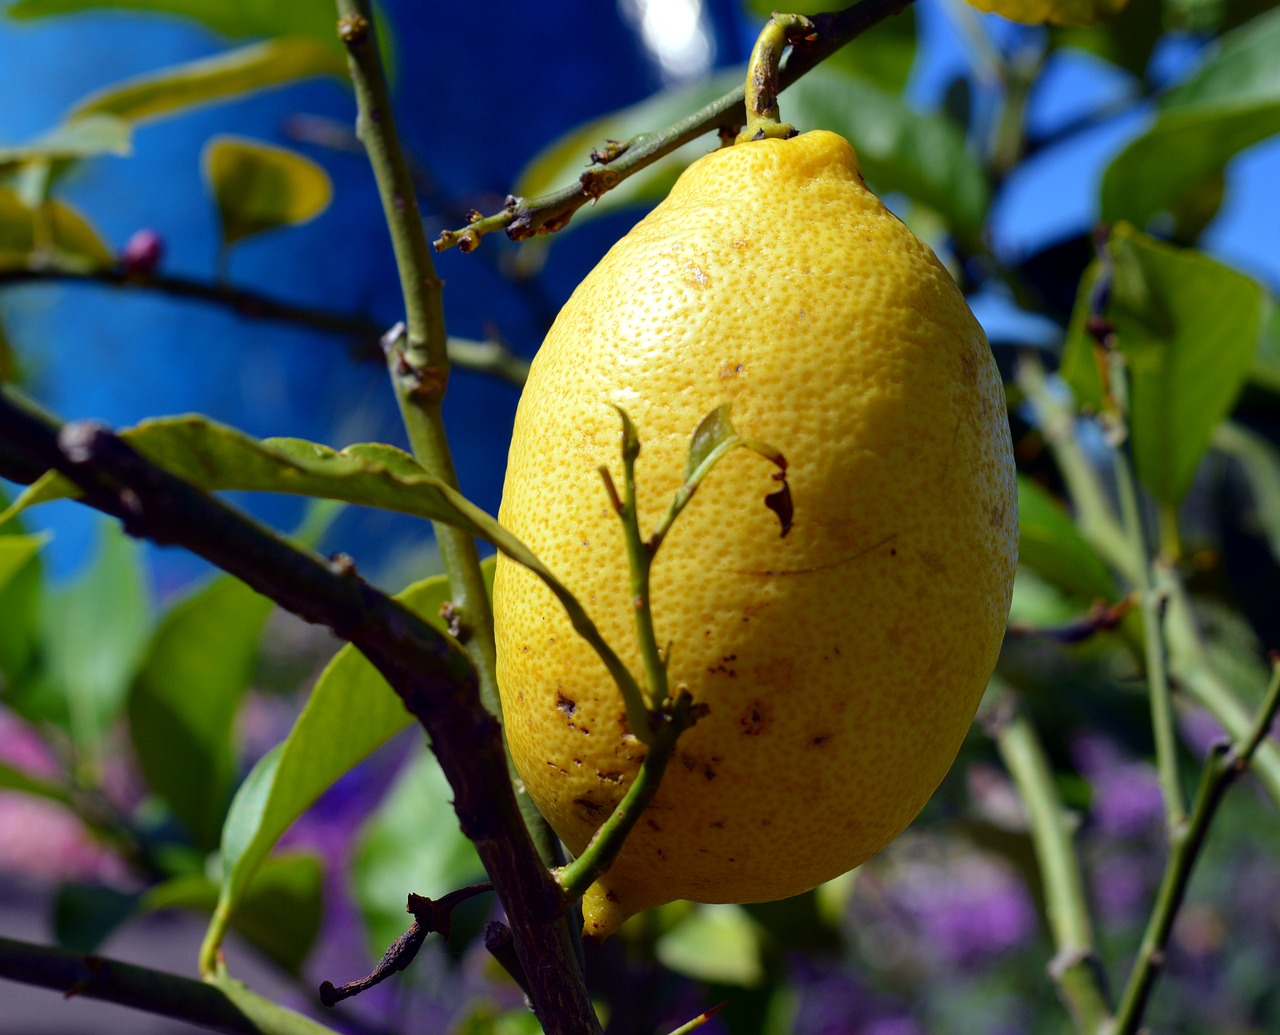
pixel 353 29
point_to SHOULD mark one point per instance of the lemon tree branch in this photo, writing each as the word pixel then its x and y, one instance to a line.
pixel 522 218
pixel 1075 967
pixel 1226 762
pixel 418 360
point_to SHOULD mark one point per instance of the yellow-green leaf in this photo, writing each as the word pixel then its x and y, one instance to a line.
pixel 53 232
pixel 1054 12
pixel 258 187
pixel 210 80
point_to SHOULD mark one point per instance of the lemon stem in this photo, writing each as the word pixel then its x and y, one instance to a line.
pixel 604 846
pixel 762 77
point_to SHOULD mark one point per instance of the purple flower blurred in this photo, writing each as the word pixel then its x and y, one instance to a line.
pixel 969 910
pixel 1126 794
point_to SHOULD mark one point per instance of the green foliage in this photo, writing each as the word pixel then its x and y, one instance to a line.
pixel 184 699
pixel 258 187
pixel 351 712
pixel 1188 328
pixel 48 232
pixel 386 863
pixel 1050 545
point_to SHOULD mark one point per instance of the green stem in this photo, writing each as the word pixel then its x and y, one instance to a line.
pixel 1150 604
pixel 640 557
pixel 226 1006
pixel 604 846
pixel 523 218
pixel 1075 966
pixel 1095 516
pixel 418 361
pixel 761 89
pixel 1224 765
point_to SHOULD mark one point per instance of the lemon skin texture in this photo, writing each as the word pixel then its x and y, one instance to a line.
pixel 841 663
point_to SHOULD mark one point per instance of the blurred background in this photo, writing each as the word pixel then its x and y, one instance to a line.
pixel 942 933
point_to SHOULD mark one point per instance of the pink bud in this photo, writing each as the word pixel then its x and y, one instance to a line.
pixel 142 253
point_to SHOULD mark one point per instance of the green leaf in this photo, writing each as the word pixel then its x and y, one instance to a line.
pixel 1189 328
pixel 1127 42
pixel 1054 12
pixel 183 703
pixel 266 1015
pixel 884 55
pixel 259 187
pixel 313 18
pixel 436 859
pixel 567 158
pixel 85 915
pixel 84 138
pixel 1231 103
pixel 1260 463
pixel 21 592
pixel 717 943
pixel 14 779
pixel 351 712
pixel 712 432
pixel 51 232
pixel 1051 546
pixel 922 155
pixel 94 634
pixel 210 80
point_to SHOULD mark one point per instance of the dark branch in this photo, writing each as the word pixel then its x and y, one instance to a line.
pixel 430 916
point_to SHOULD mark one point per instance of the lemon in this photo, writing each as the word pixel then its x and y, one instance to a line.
pixel 841 663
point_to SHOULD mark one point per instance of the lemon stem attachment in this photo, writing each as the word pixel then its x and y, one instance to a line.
pixel 762 77
pixel 668 723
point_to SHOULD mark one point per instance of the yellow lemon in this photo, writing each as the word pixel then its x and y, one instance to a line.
pixel 840 664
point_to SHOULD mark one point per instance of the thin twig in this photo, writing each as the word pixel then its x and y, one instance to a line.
pixel 430 916
pixel 483 357
pixel 155 991
pixel 1226 762
pixel 522 218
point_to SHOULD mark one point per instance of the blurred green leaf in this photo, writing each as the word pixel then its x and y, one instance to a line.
pixel 183 703
pixel 434 859
pixel 95 632
pixel 1081 13
pixel 567 158
pixel 51 232
pixel 313 18
pixel 14 779
pixel 21 592
pixel 1189 328
pixel 259 187
pixel 1127 42
pixel 1259 460
pixel 1229 104
pixel 487 1018
pixel 85 915
pixel 719 943
pixel 922 155
pixel 884 56
pixel 222 77
pixel 86 137
pixel 283 905
pixel 351 712
pixel 1051 546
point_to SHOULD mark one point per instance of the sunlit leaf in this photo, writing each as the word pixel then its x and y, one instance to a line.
pixel 259 187
pixel 922 155
pixel 209 80
pixel 1230 104
pixel 351 712
pixel 1188 327
pixel 1054 12
pixel 52 232
pixel 1052 546
pixel 83 138
pixel 386 864
pixel 313 18
pixel 717 943
pixel 183 703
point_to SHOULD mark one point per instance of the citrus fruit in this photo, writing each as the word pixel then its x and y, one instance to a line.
pixel 840 664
